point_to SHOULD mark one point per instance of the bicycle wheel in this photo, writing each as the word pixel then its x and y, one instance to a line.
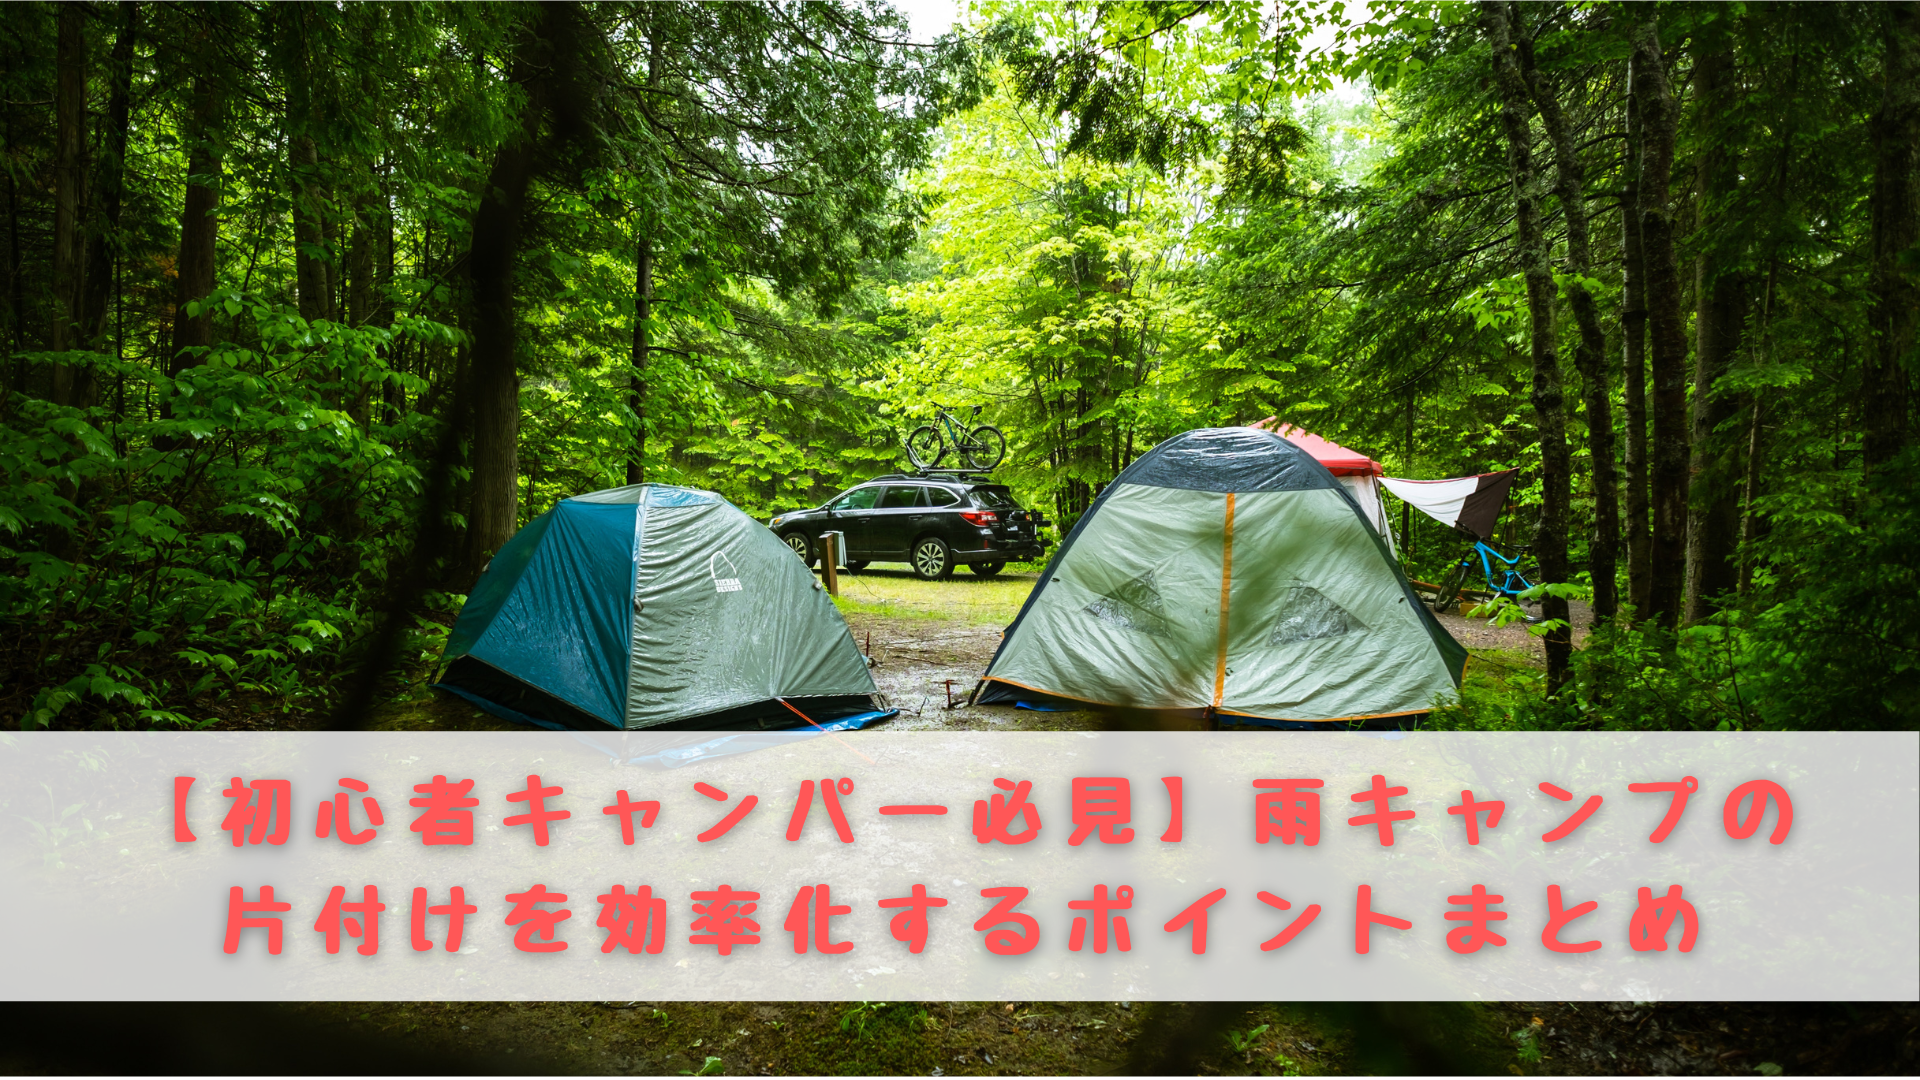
pixel 925 447
pixel 985 448
pixel 1518 581
pixel 1449 594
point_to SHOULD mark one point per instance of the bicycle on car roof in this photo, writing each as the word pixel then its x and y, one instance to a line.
pixel 980 448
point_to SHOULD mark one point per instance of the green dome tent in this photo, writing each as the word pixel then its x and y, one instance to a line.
pixel 1227 571
pixel 649 606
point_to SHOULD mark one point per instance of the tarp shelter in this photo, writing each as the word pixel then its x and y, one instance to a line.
pixel 648 606
pixel 1357 472
pixel 1228 570
pixel 1471 504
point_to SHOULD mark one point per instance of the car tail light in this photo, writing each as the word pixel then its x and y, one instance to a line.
pixel 982 518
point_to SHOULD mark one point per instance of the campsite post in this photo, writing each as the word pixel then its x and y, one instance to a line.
pixel 830 561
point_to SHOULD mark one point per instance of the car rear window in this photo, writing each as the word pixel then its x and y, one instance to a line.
pixel 903 497
pixel 994 498
pixel 941 497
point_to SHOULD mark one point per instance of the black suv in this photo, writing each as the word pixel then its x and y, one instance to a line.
pixel 929 522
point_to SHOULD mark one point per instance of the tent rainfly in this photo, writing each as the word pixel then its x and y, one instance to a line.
pixel 1469 503
pixel 1357 472
pixel 1227 570
pixel 649 606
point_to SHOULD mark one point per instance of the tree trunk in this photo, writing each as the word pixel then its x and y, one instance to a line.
pixel 637 385
pixel 1589 356
pixel 16 300
pixel 109 185
pixel 1750 521
pixel 69 191
pixel 642 302
pixel 1715 472
pixel 1406 508
pixel 1550 536
pixel 199 227
pixel 393 395
pixel 1666 328
pixel 1888 380
pixel 492 256
pixel 363 297
pixel 1633 333
pixel 312 271
pixel 360 253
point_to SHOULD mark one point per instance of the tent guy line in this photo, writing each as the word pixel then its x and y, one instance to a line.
pixel 824 731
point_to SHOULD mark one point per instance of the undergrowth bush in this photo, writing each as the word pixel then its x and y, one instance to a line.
pixel 216 555
pixel 1828 638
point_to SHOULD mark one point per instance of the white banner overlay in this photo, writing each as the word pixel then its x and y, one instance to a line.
pixel 1165 866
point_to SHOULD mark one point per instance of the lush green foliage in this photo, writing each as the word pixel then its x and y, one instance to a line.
pixel 209 538
pixel 1374 297
pixel 228 569
pixel 1104 224
pixel 1838 650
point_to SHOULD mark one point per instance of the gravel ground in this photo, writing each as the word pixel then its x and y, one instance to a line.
pixel 1479 634
pixel 929 639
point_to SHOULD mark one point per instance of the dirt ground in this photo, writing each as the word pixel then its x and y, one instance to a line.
pixel 988 1038
pixel 1480 635
pixel 1012 1038
pixel 930 641
pixel 1619 1038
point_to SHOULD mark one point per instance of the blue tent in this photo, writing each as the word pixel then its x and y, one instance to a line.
pixel 648 606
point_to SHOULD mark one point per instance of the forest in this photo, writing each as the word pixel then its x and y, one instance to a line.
pixel 308 307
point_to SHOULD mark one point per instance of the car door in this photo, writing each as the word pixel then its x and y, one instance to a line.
pixel 851 514
pixel 895 521
pixel 941 518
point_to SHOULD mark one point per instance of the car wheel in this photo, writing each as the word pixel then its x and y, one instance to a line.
pixel 932 559
pixel 854 566
pixel 986 569
pixel 801 546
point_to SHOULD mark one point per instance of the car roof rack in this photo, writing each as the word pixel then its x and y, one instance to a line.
pixel 951 475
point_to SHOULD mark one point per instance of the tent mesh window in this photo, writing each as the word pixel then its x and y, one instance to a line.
pixel 1134 606
pixel 1306 614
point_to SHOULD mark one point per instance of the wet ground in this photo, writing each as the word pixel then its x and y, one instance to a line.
pixel 962 1039
pixel 930 641
pixel 1480 634
pixel 1618 1038
pixel 1013 1038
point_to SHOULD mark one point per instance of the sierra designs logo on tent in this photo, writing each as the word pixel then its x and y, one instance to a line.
pixel 723 584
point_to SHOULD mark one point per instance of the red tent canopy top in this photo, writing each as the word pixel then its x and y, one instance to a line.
pixel 1339 460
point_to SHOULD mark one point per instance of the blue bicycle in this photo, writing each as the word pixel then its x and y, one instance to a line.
pixel 1508 581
